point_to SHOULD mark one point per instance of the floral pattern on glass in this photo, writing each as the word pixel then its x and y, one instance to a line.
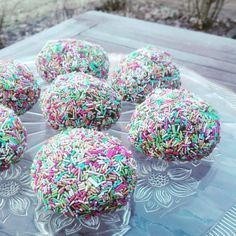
pixel 160 185
pixel 15 192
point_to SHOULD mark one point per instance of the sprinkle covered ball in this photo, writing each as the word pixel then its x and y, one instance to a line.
pixel 80 100
pixel 13 138
pixel 82 172
pixel 142 71
pixel 153 53
pixel 18 88
pixel 174 125
pixel 64 56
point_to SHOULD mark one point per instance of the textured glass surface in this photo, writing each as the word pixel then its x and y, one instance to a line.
pixel 171 198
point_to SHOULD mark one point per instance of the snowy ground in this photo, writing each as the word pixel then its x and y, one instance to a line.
pixel 27 17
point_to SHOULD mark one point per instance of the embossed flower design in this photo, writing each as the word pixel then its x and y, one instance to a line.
pixel 15 192
pixel 159 185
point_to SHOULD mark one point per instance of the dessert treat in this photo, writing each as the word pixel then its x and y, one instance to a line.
pixel 80 100
pixel 82 172
pixel 142 71
pixel 18 88
pixel 13 138
pixel 174 124
pixel 151 52
pixel 64 56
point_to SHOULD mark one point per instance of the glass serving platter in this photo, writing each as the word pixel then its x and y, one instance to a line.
pixel 171 198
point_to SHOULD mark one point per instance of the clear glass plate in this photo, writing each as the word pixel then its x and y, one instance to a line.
pixel 171 198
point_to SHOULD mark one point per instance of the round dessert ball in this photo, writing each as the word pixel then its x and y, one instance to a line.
pixel 13 138
pixel 142 71
pixel 80 100
pixel 174 124
pixel 64 56
pixel 151 52
pixel 82 172
pixel 18 88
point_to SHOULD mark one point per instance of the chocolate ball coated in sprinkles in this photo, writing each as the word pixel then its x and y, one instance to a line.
pixel 174 125
pixel 82 172
pixel 18 88
pixel 64 56
pixel 143 70
pixel 152 52
pixel 13 138
pixel 80 100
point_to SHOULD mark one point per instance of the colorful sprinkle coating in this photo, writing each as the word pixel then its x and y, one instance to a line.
pixel 142 71
pixel 64 56
pixel 153 53
pixel 82 172
pixel 174 124
pixel 13 138
pixel 18 88
pixel 80 100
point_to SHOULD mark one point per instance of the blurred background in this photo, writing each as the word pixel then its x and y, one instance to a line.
pixel 21 18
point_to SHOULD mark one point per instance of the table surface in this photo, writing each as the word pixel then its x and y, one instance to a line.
pixel 212 56
pixel 213 210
